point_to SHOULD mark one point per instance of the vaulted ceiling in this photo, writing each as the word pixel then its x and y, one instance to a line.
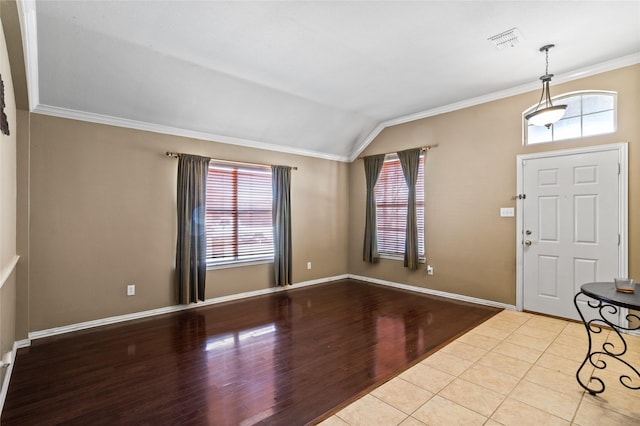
pixel 314 78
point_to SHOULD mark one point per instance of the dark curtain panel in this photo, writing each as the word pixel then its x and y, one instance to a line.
pixel 281 187
pixel 191 248
pixel 410 161
pixel 372 168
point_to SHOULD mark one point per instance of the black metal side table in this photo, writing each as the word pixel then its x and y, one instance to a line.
pixel 606 302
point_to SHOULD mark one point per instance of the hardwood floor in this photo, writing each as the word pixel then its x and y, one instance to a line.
pixel 289 358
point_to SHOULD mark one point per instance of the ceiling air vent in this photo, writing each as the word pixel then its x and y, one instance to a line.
pixel 507 38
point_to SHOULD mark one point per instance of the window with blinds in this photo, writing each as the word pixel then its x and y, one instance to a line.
pixel 391 208
pixel 238 214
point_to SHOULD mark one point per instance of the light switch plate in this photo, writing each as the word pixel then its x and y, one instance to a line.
pixel 507 212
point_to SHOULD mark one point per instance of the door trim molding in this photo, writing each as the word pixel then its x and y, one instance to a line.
pixel 623 207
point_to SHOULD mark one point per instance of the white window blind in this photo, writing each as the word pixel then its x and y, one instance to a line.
pixel 238 214
pixel 391 207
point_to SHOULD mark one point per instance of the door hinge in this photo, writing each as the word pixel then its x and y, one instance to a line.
pixel 619 239
pixel 521 196
pixel 618 168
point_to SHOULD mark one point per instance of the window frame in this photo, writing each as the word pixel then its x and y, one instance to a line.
pixel 558 100
pixel 421 227
pixel 237 259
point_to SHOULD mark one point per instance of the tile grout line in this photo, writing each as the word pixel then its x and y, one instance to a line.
pixel 584 392
pixel 476 362
pixel 523 378
pixel 520 379
pixel 438 393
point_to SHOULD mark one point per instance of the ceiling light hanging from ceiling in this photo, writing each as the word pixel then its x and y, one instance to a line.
pixel 546 113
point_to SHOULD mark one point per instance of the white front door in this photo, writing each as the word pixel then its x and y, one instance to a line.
pixel 571 226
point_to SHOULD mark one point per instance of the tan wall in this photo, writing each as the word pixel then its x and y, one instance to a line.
pixel 22 225
pixel 471 174
pixel 7 164
pixel 7 209
pixel 13 39
pixel 102 203
pixel 103 216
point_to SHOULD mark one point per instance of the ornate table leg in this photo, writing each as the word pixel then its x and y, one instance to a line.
pixel 609 350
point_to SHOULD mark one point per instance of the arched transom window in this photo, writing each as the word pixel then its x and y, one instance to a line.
pixel 588 113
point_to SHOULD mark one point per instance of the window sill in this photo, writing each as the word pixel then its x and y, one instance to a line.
pixel 394 257
pixel 238 263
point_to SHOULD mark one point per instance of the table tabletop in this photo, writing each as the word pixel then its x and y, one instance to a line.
pixel 606 292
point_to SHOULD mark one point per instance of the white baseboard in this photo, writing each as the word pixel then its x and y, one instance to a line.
pixel 7 377
pixel 176 308
pixel 23 343
pixel 453 296
pixel 144 314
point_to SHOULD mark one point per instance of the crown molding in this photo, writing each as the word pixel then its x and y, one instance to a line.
pixel 29 29
pixel 367 140
pixel 28 24
pixel 614 64
pixel 176 131
pixel 621 62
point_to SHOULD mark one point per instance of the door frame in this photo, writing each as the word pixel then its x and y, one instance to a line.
pixel 623 207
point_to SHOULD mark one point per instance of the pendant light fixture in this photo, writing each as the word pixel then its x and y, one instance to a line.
pixel 546 113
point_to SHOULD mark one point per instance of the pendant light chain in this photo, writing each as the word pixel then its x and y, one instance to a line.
pixel 546 79
pixel 546 68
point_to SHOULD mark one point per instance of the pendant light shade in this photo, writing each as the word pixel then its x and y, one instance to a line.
pixel 546 113
pixel 546 116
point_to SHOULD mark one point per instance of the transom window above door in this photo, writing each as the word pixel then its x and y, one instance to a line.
pixel 588 113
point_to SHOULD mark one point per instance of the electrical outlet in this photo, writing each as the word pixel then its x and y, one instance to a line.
pixel 429 270
pixel 131 290
pixel 308 265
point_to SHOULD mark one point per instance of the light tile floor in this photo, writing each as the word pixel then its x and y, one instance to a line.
pixel 515 369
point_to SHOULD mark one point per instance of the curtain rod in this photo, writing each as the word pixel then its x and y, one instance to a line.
pixel 177 154
pixel 422 148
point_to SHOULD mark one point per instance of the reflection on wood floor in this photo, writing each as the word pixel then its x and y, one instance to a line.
pixel 288 358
